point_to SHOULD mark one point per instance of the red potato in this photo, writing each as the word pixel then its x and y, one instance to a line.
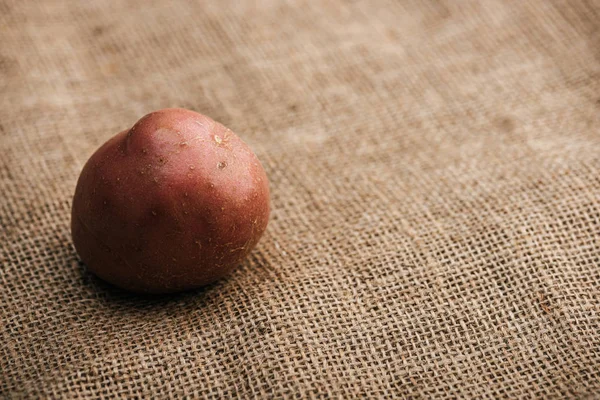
pixel 174 203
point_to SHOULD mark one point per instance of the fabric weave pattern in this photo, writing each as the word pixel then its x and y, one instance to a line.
pixel 435 185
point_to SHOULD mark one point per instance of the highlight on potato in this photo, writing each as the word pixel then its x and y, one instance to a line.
pixel 174 203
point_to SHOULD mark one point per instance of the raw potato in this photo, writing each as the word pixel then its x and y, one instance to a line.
pixel 173 203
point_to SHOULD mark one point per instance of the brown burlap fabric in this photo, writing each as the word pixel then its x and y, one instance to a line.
pixel 434 169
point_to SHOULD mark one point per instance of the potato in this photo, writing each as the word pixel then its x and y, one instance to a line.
pixel 174 203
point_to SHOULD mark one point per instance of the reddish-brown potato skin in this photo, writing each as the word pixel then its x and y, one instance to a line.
pixel 174 203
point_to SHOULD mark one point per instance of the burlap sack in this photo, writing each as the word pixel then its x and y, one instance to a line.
pixel 436 200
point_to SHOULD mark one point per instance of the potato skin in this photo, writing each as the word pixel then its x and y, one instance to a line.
pixel 174 203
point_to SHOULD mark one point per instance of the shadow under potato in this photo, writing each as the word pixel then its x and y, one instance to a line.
pixel 113 293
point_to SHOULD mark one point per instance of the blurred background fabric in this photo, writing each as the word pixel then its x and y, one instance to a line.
pixel 434 169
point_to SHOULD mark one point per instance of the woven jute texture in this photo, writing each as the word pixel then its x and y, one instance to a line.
pixel 434 169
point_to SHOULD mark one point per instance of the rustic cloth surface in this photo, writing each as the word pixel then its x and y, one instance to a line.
pixel 434 169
